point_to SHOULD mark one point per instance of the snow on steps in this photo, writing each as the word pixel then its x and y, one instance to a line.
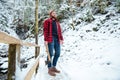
pixel 43 73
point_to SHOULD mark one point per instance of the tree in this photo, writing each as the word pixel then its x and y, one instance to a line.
pixel 72 11
pixel 70 2
pixel 36 24
pixel 59 2
pixel 78 2
pixel 36 30
pixel 118 5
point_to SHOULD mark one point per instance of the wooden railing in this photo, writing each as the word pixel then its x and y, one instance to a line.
pixel 14 55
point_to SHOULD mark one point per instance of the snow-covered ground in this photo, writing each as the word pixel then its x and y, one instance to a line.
pixel 87 54
pixel 91 59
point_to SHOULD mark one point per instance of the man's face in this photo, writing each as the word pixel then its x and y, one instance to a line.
pixel 54 14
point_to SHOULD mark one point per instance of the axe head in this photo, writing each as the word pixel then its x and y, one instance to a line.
pixel 47 62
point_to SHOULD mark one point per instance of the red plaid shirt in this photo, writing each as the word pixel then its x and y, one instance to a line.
pixel 48 30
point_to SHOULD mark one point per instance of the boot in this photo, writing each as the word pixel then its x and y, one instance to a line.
pixel 51 72
pixel 55 70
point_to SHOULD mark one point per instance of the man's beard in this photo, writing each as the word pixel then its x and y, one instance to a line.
pixel 54 17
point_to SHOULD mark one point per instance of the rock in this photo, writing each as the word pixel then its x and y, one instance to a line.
pixel 95 29
pixel 88 31
pixel 3 76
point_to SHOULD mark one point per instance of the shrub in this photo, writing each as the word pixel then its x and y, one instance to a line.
pixel 95 29
pixel 118 5
pixel 99 6
pixel 88 17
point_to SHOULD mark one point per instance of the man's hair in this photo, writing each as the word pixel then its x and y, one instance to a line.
pixel 50 12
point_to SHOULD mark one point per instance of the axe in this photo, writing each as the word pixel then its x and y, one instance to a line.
pixel 48 54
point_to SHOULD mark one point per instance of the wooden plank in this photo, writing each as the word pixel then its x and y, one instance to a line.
pixel 29 44
pixel 11 62
pixel 5 38
pixel 37 51
pixel 32 70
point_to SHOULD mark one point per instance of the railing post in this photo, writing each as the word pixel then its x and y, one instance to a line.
pixel 11 61
pixel 36 55
pixel 18 46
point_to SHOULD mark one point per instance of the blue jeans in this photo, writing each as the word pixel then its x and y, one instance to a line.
pixel 54 50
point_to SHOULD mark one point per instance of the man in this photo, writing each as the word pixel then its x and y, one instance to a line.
pixel 53 38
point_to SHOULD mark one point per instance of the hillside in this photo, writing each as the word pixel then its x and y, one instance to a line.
pixel 91 51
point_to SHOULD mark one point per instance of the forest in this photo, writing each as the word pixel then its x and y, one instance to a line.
pixel 19 15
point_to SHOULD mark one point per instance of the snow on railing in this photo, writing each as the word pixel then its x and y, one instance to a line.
pixel 14 55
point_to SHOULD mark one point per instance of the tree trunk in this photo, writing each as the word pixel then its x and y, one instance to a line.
pixel 11 61
pixel 36 28
pixel 58 2
pixel 36 24
pixel 69 2
pixel 72 11
pixel 78 3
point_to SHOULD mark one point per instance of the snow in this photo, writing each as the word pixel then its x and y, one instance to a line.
pixel 24 72
pixel 5 65
pixel 64 6
pixel 94 63
pixel 85 59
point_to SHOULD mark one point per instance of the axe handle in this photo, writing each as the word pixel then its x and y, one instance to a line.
pixel 48 54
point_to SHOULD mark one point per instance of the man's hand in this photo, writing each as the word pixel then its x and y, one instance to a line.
pixel 46 42
pixel 61 41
